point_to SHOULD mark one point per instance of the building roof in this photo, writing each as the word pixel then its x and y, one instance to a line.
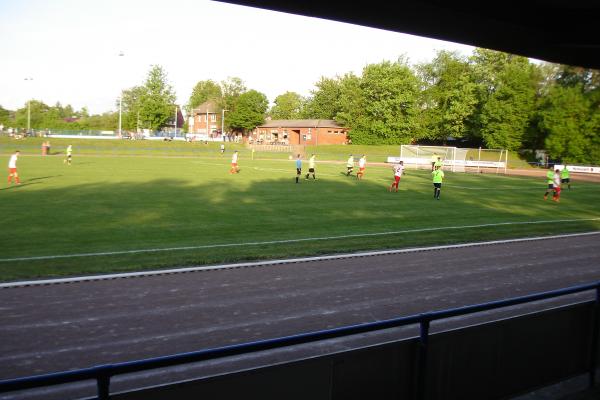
pixel 301 123
pixel 210 106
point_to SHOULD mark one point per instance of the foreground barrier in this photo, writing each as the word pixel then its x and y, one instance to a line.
pixel 423 376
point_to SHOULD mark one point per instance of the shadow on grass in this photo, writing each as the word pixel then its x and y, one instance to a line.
pixel 234 217
pixel 21 185
pixel 41 178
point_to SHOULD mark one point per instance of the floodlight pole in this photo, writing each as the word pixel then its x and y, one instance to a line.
pixel 29 109
pixel 223 122
pixel 121 54
pixel 120 111
pixel 28 115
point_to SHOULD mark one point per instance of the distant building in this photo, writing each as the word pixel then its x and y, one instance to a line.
pixel 300 132
pixel 206 119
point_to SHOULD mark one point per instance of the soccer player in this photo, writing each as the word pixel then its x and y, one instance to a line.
pixel 234 163
pixel 550 180
pixel 12 168
pixel 222 148
pixel 434 158
pixel 362 162
pixel 438 163
pixel 69 155
pixel 438 177
pixel 556 184
pixel 398 170
pixel 298 168
pixel 350 165
pixel 311 166
pixel 565 177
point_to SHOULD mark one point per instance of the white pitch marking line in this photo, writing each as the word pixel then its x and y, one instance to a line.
pixel 286 261
pixel 212 246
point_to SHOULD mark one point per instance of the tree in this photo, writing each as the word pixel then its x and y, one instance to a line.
pixel 84 113
pixel 387 111
pixel 204 91
pixel 569 76
pixel 449 96
pixel 157 99
pixel 506 97
pixel 288 106
pixel 36 110
pixel 132 105
pixel 249 111
pixel 4 117
pixel 571 125
pixel 325 100
pixel 351 105
pixel 232 89
pixel 105 121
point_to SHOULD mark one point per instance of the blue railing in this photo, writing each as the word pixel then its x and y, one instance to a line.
pixel 103 373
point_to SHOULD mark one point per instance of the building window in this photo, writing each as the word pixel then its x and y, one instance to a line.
pixel 213 117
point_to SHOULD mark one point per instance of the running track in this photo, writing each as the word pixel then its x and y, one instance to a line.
pixel 55 327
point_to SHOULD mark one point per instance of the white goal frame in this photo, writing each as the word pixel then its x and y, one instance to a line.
pixel 455 159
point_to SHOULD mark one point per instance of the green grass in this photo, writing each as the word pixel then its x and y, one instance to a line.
pixel 111 201
pixel 32 146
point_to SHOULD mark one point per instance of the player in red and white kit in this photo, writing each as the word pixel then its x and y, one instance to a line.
pixel 398 171
pixel 362 163
pixel 12 168
pixel 556 183
pixel 234 163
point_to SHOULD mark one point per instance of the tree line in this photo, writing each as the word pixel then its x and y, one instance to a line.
pixel 489 98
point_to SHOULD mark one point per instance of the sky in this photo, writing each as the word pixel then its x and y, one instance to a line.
pixel 67 51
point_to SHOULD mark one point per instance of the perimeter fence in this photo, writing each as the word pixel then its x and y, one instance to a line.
pixel 539 359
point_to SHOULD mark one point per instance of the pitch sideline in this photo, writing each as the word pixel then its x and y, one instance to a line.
pixel 283 261
pixel 212 246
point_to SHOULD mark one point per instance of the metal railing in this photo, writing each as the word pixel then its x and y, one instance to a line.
pixel 103 373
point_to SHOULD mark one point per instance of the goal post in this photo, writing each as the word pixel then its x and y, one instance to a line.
pixel 423 156
pixel 479 160
pixel 455 159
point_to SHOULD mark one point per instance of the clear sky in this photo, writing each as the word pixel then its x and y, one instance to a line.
pixel 70 49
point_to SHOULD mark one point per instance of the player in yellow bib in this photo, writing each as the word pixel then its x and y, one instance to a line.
pixel 434 159
pixel 565 177
pixel 438 176
pixel 69 155
pixel 311 166
pixel 349 165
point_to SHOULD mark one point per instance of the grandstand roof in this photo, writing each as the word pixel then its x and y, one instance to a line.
pixel 559 31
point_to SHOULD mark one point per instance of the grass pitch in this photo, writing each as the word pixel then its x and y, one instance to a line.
pixel 114 211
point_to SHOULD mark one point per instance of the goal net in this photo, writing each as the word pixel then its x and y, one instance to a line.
pixel 424 156
pixel 454 159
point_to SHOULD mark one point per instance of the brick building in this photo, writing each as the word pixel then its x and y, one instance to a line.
pixel 206 118
pixel 300 132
